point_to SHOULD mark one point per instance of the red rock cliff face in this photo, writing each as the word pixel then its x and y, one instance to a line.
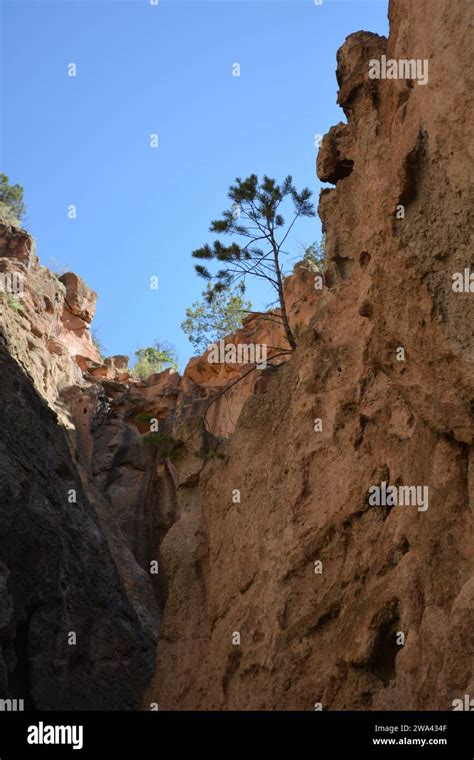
pixel 282 586
pixel 104 406
pixel 286 587
pixel 64 564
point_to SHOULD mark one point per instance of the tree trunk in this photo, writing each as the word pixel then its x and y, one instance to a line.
pixel 288 332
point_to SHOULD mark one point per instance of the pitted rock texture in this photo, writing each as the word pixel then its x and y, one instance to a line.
pixel 19 245
pixel 129 486
pixel 46 325
pixel 260 520
pixel 247 565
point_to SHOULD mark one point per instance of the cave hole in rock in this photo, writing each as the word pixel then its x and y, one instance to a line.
pixel 233 665
pixel 343 168
pixel 385 651
pixel 48 305
pixel 345 266
pixel 413 168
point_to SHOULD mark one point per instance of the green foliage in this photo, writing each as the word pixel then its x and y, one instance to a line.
pixel 209 320
pixel 164 444
pixel 12 208
pixel 255 216
pixel 14 302
pixel 144 417
pixel 213 454
pixel 297 331
pixel 154 359
pixel 7 216
pixel 314 253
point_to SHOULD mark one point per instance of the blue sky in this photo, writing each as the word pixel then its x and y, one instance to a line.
pixel 164 69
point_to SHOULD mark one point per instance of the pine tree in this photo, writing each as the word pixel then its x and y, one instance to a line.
pixel 254 216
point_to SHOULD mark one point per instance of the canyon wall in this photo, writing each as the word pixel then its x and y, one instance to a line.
pixel 79 620
pixel 87 490
pixel 276 582
pixel 286 588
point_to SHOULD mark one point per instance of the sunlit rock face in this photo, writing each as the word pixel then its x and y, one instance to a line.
pixel 89 442
pixel 287 586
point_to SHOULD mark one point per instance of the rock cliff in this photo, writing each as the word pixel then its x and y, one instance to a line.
pixel 85 607
pixel 279 582
pixel 286 588
pixel 78 621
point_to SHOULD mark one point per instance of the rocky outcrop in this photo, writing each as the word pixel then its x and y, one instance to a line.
pixel 287 587
pixel 79 617
pixel 45 320
pixel 78 620
pixel 47 327
pixel 109 421
pixel 281 582
pixel 125 484
pixel 18 245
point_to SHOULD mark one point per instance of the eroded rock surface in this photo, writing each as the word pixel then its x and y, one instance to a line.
pixel 280 584
pixel 246 565
pixel 78 621
pixel 99 551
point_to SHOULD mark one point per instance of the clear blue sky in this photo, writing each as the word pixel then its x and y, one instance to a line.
pixel 163 69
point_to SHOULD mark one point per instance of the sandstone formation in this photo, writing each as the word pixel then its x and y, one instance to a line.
pixel 46 325
pixel 101 590
pixel 65 571
pixel 279 584
pixel 247 567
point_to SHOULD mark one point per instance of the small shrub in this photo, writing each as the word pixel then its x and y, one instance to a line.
pixel 14 303
pixel 154 359
pixel 7 216
pixel 164 444
pixel 12 208
pixel 314 254
pixel 209 455
pixel 144 417
pixel 297 331
pixel 207 321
